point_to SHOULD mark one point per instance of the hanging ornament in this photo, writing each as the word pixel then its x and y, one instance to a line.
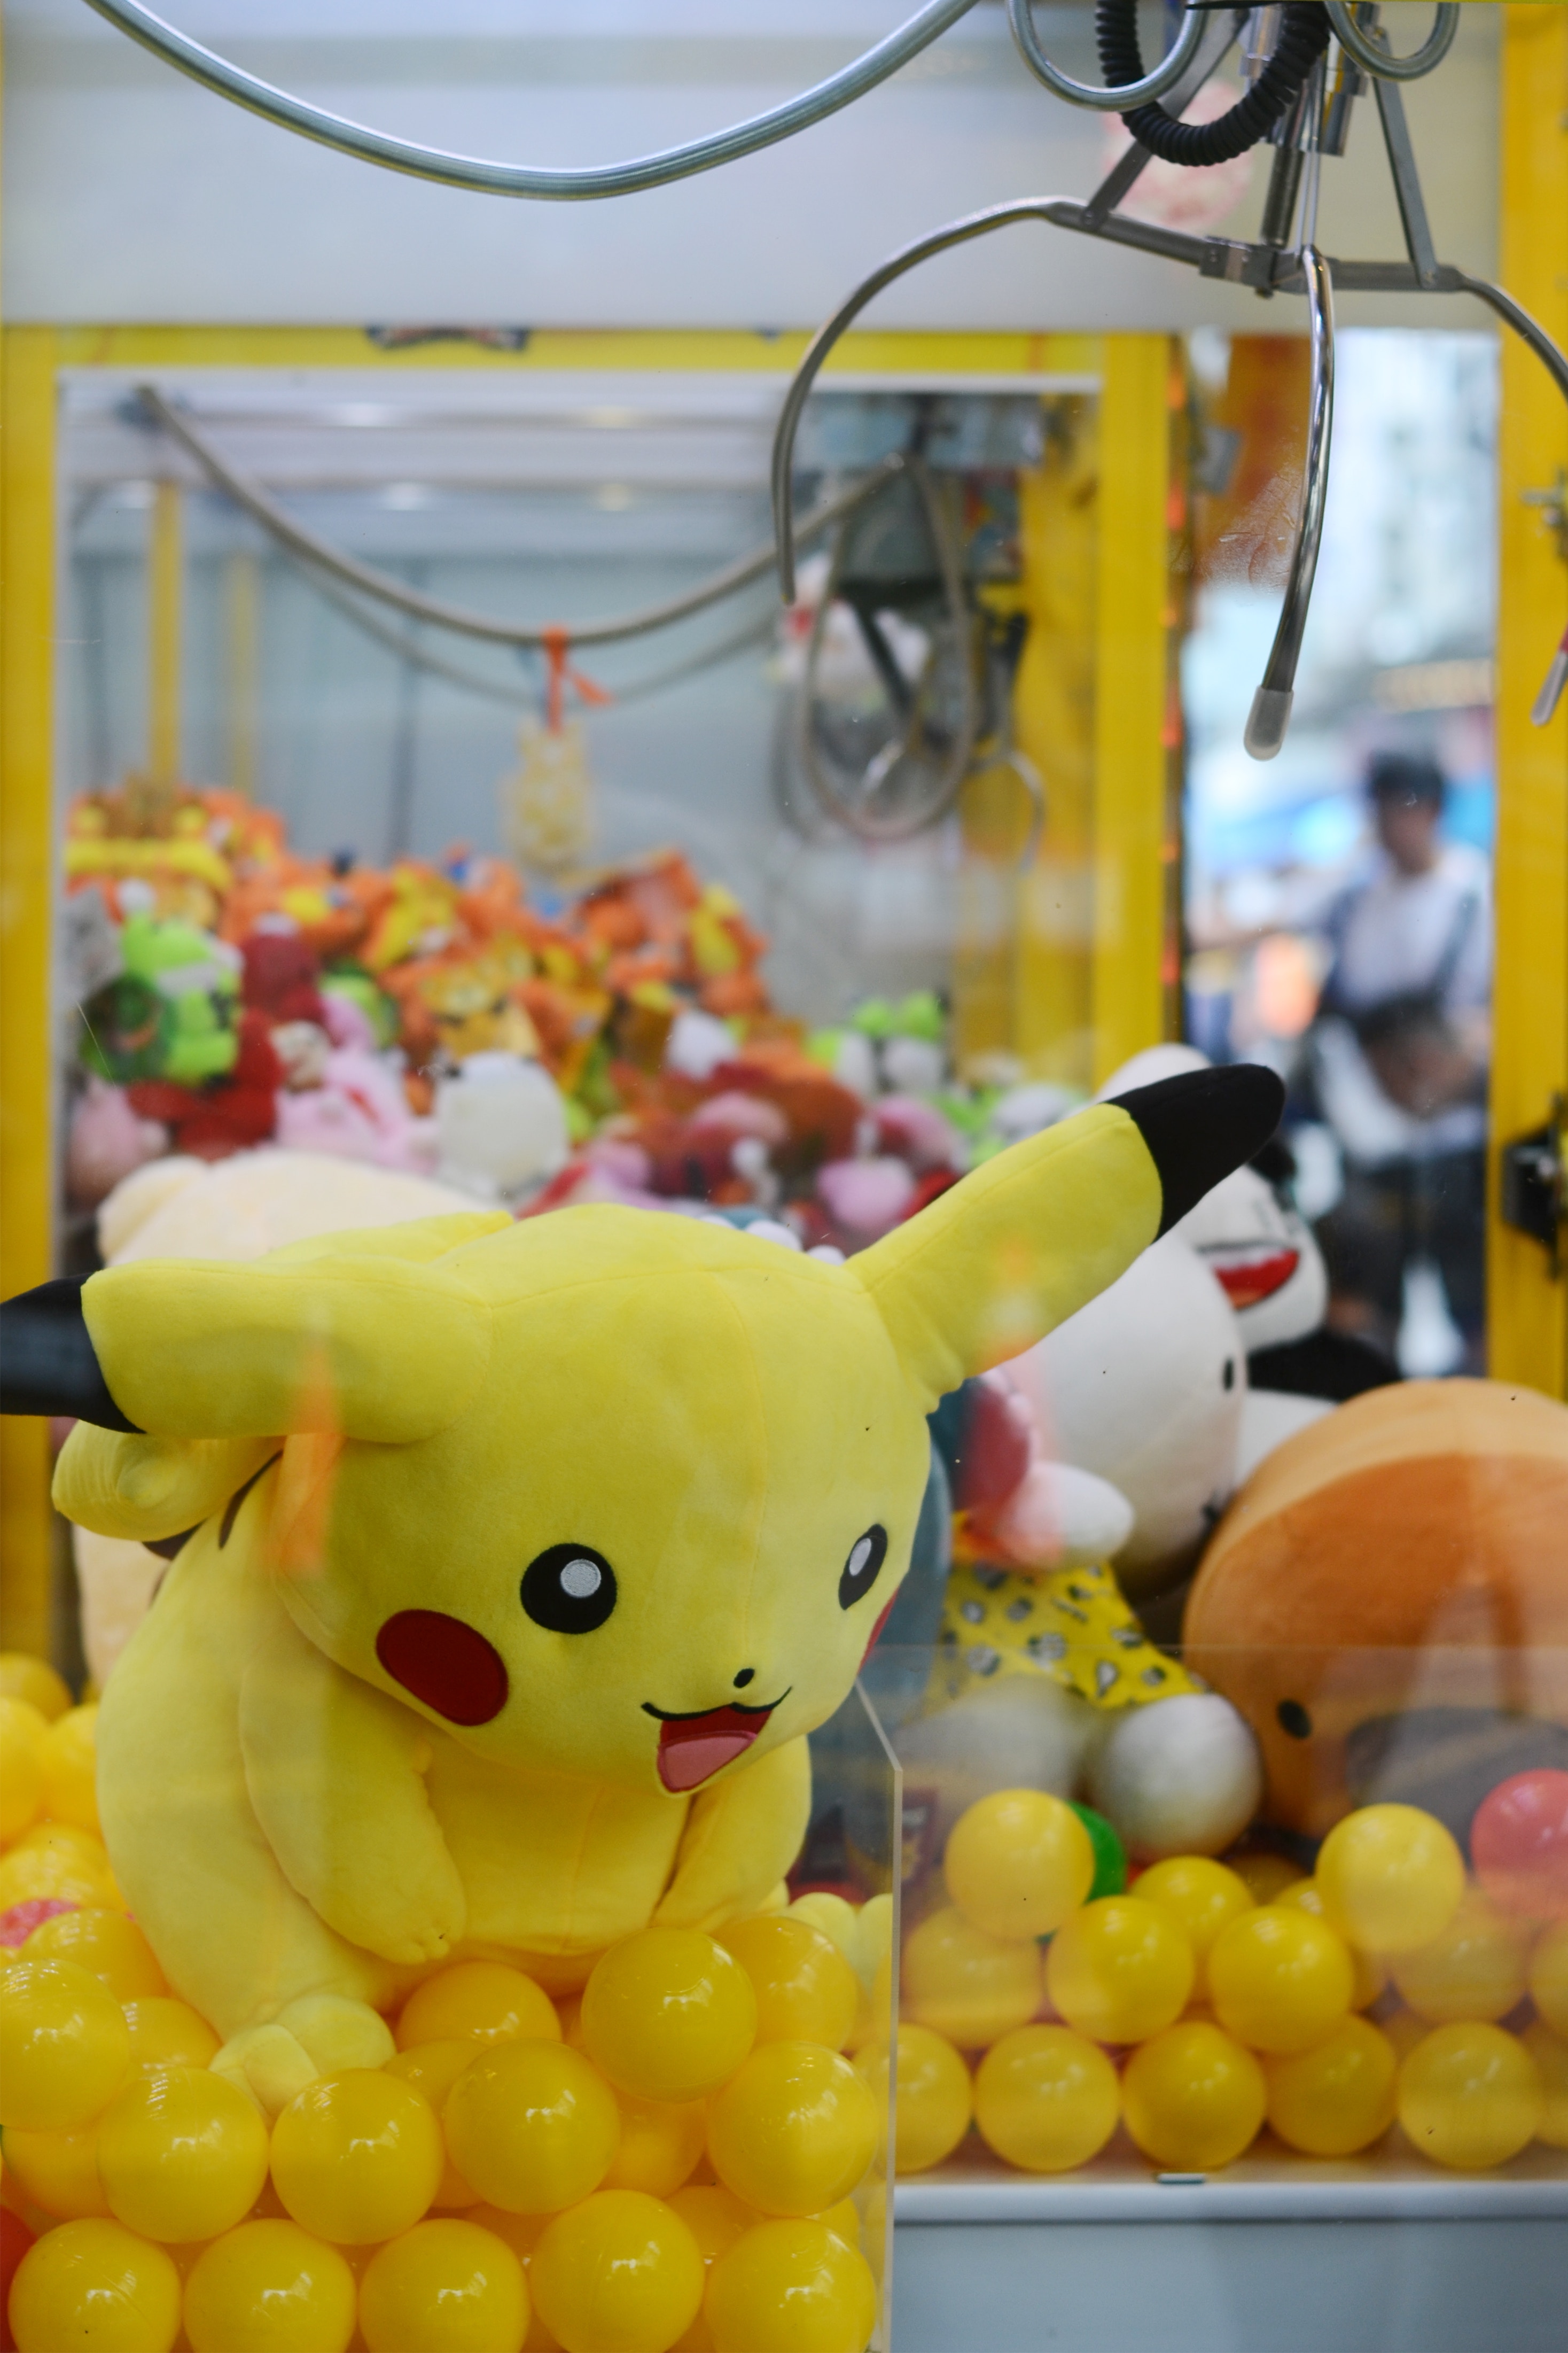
pixel 547 804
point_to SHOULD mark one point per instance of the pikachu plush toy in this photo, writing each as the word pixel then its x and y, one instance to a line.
pixel 512 1564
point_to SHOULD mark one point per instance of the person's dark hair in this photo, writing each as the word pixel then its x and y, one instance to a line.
pixel 1403 777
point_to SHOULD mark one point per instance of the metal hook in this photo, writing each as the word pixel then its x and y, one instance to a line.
pixel 1165 76
pixel 1271 713
pixel 1369 46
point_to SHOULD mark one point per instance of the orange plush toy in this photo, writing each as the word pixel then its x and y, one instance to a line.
pixel 1386 1602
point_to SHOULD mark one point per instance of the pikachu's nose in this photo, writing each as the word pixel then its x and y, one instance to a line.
pixel 747 1675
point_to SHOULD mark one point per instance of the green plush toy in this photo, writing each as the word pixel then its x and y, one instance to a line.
pixel 515 1562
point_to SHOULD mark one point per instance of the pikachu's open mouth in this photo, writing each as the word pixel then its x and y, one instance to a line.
pixel 692 1748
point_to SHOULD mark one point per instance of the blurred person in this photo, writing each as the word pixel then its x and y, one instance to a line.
pixel 1398 1055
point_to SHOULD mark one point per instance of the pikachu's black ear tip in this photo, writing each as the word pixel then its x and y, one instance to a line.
pixel 47 1365
pixel 1200 1125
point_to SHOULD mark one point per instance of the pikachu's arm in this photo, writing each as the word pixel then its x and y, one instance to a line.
pixel 335 1772
pixel 740 1838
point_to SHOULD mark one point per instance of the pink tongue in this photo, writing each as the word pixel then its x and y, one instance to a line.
pixel 696 1746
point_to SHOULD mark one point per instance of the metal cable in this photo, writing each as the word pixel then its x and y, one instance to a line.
pixel 1373 54
pixel 473 172
pixel 1165 76
pixel 370 582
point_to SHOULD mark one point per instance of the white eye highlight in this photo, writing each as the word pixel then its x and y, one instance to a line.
pixel 859 1557
pixel 581 1578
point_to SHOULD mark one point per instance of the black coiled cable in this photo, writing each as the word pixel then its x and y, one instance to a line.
pixel 1303 38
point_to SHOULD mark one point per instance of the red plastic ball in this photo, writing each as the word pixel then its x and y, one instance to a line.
pixel 1518 1843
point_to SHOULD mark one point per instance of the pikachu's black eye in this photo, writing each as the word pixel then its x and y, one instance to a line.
pixel 863 1567
pixel 571 1589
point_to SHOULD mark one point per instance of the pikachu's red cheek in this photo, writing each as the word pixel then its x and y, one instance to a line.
pixel 445 1663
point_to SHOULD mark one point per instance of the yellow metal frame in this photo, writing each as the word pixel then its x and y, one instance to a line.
pixel 1126 975
pixel 1527 1320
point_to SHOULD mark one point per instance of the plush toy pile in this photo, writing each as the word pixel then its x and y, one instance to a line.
pixel 1202 2002
pixel 435 1019
pixel 668 2149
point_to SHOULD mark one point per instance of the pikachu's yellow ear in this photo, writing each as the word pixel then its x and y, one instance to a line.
pixel 1011 1252
pixel 367 1343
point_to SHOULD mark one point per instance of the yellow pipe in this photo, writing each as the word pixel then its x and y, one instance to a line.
pixel 26 1147
pixel 1054 721
pixel 1130 955
pixel 1527 1317
pixel 165 586
pixel 244 618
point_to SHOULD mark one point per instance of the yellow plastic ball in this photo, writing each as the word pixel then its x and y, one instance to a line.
pixel 1476 1966
pixel 64 2046
pixel 269 2288
pixel 58 2170
pixel 1279 1979
pixel 873 2016
pixel 1337 2097
pixel 934 2099
pixel 479 2001
pixel 95 2287
pixel 1469 2096
pixel 1017 1862
pixel 714 2216
pixel 805 1989
pixel 1369 1975
pixel 23 1731
pixel 70 1768
pixel 43 1863
pixel 1202 1896
pixel 839 1922
pixel 1121 1969
pixel 108 1945
pixel 444 2287
pixel 619 2273
pixel 357 2157
pixel 533 2126
pixel 1046 2099
pixel 1193 2098
pixel 794 2130
pixel 182 2155
pixel 433 2068
pixel 668 2014
pixel 791 2287
pixel 968 1985
pixel 1391 1878
pixel 34 1680
pixel 1549 1977
pixel 1550 2053
pixel 661 2144
pixel 168 2034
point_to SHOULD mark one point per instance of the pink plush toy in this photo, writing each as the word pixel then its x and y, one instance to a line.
pixel 360 1113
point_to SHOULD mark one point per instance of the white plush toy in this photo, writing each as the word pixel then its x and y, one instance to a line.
pixel 236 1208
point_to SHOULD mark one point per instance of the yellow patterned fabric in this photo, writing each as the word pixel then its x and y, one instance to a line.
pixel 1071 1624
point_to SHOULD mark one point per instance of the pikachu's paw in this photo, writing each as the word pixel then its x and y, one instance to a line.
pixel 319 2034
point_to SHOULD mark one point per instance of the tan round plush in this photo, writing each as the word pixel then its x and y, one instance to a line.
pixel 1386 1600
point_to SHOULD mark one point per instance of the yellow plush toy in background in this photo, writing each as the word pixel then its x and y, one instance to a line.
pixel 516 1561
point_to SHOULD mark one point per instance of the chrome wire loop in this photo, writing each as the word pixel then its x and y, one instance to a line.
pixel 357 139
pixel 1165 76
pixel 1370 51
